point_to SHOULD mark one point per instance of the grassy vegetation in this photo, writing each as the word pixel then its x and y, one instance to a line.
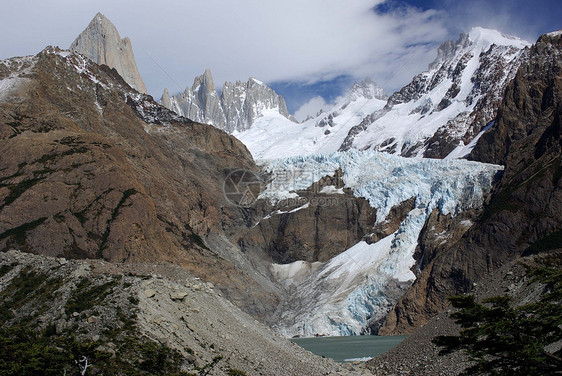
pixel 196 239
pixel 19 233
pixel 28 287
pixel 122 350
pixel 128 193
pixel 56 156
pixel 558 172
pixel 503 201
pixel 235 372
pixel 502 339
pixel 26 353
pixel 16 190
pixel 87 295
pixel 5 269
pixel 35 344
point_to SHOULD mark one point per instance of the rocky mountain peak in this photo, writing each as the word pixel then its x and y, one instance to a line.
pixel 101 43
pixel 204 83
pixel 368 89
pixel 445 108
pixel 448 49
pixel 477 40
pixel 237 107
pixel 165 99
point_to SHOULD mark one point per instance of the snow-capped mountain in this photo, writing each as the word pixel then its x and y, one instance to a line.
pixel 446 107
pixel 237 108
pixel 101 43
pixel 437 115
pixel 272 136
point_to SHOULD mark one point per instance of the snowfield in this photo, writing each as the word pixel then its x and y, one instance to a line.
pixel 19 67
pixel 459 92
pixel 274 136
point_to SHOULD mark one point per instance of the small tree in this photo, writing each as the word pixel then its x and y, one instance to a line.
pixel 505 340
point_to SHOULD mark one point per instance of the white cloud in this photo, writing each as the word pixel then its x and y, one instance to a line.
pixel 312 107
pixel 292 40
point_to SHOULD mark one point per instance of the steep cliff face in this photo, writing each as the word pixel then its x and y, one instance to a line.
pixel 245 102
pixel 524 214
pixel 92 169
pixel 237 108
pixel 443 109
pixel 200 103
pixel 101 43
pixel 324 221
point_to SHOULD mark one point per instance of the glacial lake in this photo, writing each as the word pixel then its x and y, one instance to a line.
pixel 350 348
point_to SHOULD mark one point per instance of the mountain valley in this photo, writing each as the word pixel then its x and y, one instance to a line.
pixel 216 224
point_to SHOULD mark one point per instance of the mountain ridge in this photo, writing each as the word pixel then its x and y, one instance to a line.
pixel 522 216
pixel 235 110
pixel 93 169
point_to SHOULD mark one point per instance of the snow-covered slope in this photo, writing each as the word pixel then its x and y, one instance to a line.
pixel 339 297
pixel 438 114
pixel 13 74
pixel 272 136
pixel 448 105
pixel 237 108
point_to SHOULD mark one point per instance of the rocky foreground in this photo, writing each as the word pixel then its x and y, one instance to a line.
pixel 100 301
pixel 417 355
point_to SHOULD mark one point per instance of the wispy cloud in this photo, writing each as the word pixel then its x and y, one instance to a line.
pixel 311 108
pixel 292 40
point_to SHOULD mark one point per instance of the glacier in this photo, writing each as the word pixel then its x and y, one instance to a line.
pixel 338 297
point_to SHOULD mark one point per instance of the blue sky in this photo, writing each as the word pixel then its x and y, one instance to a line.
pixel 309 51
pixel 525 19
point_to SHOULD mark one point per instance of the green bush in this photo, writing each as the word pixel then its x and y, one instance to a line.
pixel 236 372
pixel 25 353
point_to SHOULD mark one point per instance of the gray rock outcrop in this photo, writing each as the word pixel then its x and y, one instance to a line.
pixel 201 102
pixel 101 43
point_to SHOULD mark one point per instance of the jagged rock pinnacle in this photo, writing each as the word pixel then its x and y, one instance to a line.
pixel 238 106
pixel 101 43
pixel 165 100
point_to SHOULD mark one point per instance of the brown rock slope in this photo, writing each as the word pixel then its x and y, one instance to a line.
pixel 524 214
pixel 315 227
pixel 90 168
